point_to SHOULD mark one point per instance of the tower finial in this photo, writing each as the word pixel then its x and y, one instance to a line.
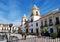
pixel 24 15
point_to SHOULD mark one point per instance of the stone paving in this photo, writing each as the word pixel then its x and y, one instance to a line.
pixel 36 39
pixel 39 40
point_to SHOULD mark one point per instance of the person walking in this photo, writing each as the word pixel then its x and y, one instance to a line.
pixel 6 37
pixel 22 35
pixel 25 36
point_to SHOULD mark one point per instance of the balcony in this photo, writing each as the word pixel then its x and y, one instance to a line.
pixel 50 24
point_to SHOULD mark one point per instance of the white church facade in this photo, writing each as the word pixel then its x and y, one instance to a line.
pixel 38 22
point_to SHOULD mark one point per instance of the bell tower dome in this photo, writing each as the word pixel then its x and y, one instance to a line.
pixel 35 13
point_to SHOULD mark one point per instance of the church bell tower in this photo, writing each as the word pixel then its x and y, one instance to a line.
pixel 35 13
pixel 24 19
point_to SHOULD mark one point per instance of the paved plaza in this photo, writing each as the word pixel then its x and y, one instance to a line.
pixel 31 38
pixel 38 40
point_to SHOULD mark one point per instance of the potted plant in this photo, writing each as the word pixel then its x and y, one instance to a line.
pixel 53 35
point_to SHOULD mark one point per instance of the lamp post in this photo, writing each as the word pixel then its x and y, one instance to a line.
pixel 10 25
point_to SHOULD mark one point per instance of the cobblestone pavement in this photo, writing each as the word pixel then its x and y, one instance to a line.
pixel 42 39
pixel 33 38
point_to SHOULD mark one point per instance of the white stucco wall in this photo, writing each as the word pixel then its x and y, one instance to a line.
pixel 34 26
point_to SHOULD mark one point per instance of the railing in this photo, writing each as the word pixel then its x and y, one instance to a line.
pixel 50 24
pixel 45 25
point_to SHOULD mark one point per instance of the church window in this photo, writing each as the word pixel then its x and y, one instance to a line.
pixel 36 12
pixel 45 23
pixel 57 20
pixel 31 20
pixel 36 24
pixel 32 14
pixel 41 23
pixel 25 19
pixel 31 24
pixel 50 22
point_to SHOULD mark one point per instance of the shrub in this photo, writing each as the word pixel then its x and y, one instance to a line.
pixel 54 35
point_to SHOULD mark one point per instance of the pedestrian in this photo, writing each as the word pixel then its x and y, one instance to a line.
pixel 25 36
pixel 6 37
pixel 22 35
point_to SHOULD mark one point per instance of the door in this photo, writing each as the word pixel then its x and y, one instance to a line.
pixel 51 30
pixel 31 30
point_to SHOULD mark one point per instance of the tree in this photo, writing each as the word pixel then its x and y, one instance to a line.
pixel 46 33
pixel 45 29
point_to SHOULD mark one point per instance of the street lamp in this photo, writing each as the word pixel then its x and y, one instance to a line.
pixel 10 25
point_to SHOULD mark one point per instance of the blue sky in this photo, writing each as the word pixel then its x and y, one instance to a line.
pixel 11 11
